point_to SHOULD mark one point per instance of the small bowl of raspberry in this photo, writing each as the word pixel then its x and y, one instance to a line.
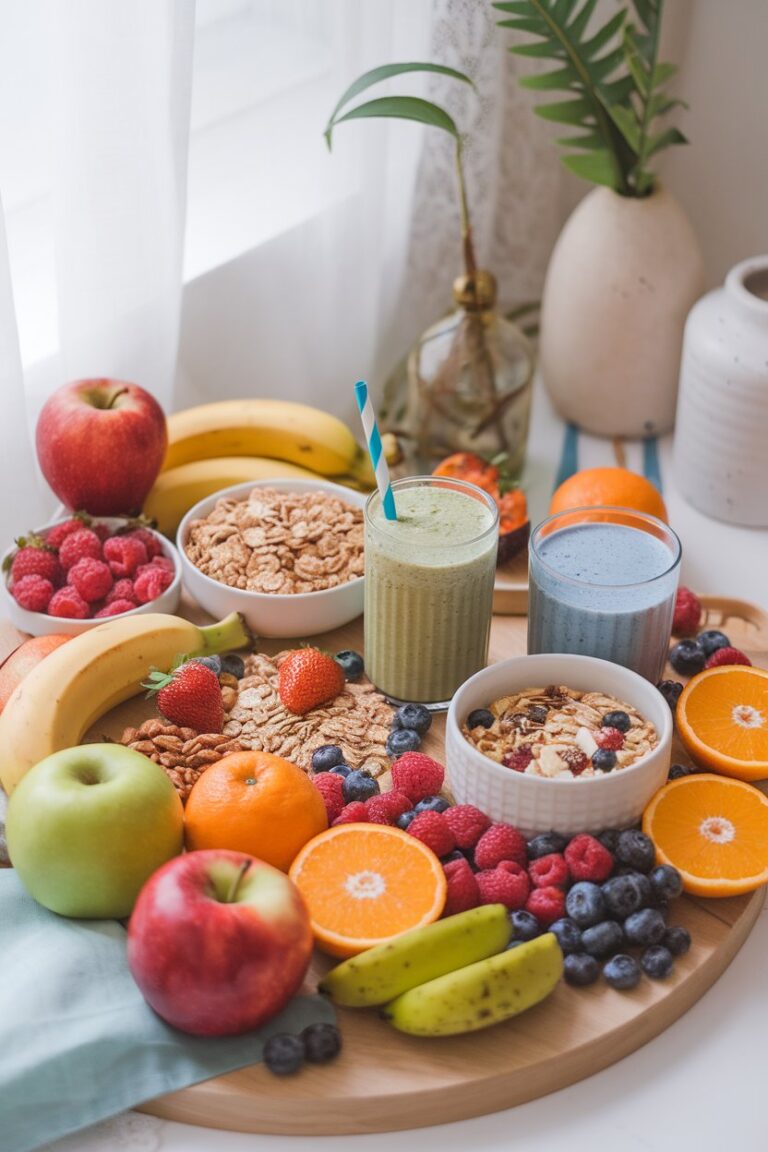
pixel 80 571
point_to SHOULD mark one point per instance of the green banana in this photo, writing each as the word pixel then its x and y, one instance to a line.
pixel 481 994
pixel 384 972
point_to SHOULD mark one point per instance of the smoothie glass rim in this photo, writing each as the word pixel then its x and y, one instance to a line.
pixel 676 550
pixel 427 481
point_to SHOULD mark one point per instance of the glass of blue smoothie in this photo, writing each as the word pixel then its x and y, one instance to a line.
pixel 602 582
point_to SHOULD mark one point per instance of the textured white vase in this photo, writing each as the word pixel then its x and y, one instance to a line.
pixel 721 437
pixel 622 278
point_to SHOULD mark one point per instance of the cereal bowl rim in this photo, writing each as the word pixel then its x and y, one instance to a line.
pixel 569 660
pixel 285 484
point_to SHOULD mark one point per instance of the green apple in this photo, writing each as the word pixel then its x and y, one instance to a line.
pixel 88 825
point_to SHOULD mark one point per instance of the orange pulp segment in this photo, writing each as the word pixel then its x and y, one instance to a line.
pixel 365 883
pixel 722 719
pixel 714 831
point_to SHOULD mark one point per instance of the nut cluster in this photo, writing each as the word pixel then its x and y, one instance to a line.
pixel 182 752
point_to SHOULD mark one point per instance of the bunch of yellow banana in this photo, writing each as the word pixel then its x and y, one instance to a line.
pixel 67 692
pixel 451 976
pixel 232 441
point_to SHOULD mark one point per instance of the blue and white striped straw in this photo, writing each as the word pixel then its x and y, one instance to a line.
pixel 371 429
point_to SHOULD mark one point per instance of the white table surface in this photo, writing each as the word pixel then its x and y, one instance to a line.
pixel 700 1085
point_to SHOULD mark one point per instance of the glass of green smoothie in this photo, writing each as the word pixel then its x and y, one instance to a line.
pixel 429 587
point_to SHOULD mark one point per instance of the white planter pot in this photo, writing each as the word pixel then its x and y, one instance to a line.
pixel 623 275
pixel 721 439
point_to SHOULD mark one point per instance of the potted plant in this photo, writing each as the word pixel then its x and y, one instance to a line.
pixel 626 268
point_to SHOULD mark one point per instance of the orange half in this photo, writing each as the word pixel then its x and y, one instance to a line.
pixel 714 831
pixel 722 719
pixel 365 883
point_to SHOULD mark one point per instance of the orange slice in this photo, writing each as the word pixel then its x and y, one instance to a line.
pixel 714 831
pixel 365 883
pixel 722 719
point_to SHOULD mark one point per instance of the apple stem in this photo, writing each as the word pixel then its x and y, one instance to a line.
pixel 115 395
pixel 236 882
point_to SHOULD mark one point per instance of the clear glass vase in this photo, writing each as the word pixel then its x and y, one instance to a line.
pixel 465 385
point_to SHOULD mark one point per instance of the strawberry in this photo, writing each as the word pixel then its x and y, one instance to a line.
pixel 308 677
pixel 189 696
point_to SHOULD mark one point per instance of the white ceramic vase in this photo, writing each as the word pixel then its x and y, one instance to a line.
pixel 721 438
pixel 623 275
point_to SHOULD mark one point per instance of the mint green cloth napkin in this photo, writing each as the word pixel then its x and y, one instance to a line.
pixel 78 1043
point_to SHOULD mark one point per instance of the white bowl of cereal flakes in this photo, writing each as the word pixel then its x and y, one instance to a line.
pixel 561 743
pixel 287 554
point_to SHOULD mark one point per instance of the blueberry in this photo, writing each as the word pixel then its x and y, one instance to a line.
pixel 636 849
pixel 622 972
pixel 480 718
pixel 341 770
pixel 617 719
pixel 678 770
pixel 401 740
pixel 432 804
pixel 666 882
pixel 711 641
pixel 604 760
pixel 406 818
pixel 622 895
pixel 212 662
pixel 233 665
pixel 326 757
pixel 645 927
pixel 351 664
pixel 676 940
pixel 284 1054
pixel 687 657
pixel 545 844
pixel 568 935
pixel 359 786
pixel 525 926
pixel 456 854
pixel 415 717
pixel 603 939
pixel 657 962
pixel 609 838
pixel 321 1042
pixel 670 690
pixel 585 904
pixel 580 968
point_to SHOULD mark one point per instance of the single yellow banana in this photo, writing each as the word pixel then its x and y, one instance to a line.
pixel 64 694
pixel 388 970
pixel 481 994
pixel 176 490
pixel 280 429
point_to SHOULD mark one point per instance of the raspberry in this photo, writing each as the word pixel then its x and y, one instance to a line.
pixel 67 602
pixel 33 593
pixel 500 842
pixel 609 738
pixel 148 539
pixel 463 891
pixel 34 561
pixel 417 775
pixel 549 871
pixel 55 536
pixel 80 545
pixel 91 578
pixel 518 760
pixel 467 824
pixel 685 621
pixel 588 859
pixel 124 554
pixel 150 583
pixel 330 788
pixel 162 562
pixel 727 656
pixel 387 806
pixel 432 830
pixel 121 590
pixel 115 608
pixel 103 531
pixel 508 884
pixel 352 813
pixel 575 759
pixel 546 904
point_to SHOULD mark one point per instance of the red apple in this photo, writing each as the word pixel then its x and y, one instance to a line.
pixel 218 942
pixel 101 445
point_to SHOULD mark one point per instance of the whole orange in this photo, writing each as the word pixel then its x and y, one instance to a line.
pixel 256 803
pixel 592 487
pixel 26 657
